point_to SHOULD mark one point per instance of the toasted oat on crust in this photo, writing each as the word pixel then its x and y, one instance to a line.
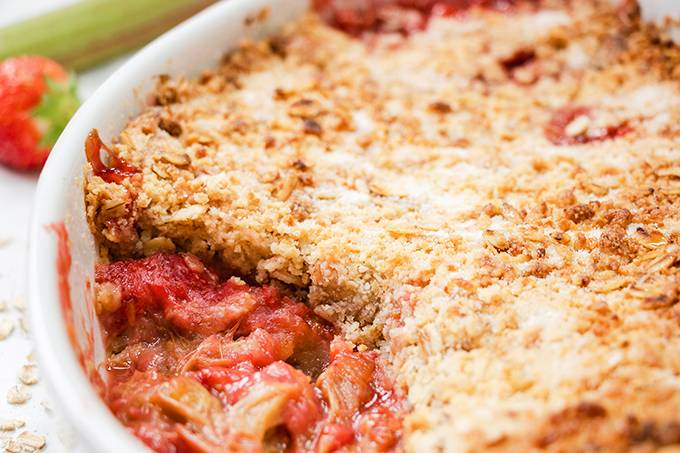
pixel 493 200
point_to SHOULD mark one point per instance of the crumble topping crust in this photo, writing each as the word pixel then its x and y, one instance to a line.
pixel 525 292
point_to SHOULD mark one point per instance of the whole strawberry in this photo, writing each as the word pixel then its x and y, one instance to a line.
pixel 37 99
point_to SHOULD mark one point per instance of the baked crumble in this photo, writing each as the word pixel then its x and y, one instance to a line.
pixel 491 201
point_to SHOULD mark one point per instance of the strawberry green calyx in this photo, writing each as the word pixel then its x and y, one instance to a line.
pixel 57 105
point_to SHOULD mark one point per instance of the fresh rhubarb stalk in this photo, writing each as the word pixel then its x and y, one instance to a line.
pixel 91 31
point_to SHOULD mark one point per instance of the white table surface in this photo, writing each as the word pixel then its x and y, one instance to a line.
pixel 16 195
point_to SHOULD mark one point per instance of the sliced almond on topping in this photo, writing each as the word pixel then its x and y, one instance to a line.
pixel 188 213
pixel 379 188
pixel 285 187
pixel 610 285
pixel 159 171
pixel 663 260
pixel 660 301
pixel 653 239
pixel 670 190
pixel 670 172
pixel 176 158
pixel 497 240
pixel 268 176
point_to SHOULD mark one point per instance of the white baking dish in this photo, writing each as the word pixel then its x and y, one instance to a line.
pixel 197 44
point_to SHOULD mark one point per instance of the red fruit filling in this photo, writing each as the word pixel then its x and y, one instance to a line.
pixel 199 363
pixel 559 132
pixel 119 169
pixel 357 17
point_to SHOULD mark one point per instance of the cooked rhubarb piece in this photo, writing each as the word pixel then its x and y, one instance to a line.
pixel 185 399
pixel 200 363
pixel 346 384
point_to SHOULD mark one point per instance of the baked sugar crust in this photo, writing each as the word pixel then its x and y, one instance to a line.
pixel 524 291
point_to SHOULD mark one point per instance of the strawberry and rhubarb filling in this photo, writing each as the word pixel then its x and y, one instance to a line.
pixel 201 362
